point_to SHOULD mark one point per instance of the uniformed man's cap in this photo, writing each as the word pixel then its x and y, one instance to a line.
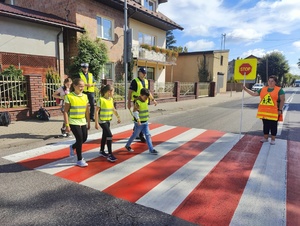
pixel 84 65
pixel 143 70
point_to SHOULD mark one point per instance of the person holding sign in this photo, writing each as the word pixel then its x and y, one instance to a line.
pixel 272 99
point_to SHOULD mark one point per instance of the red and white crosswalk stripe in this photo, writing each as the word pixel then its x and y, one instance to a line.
pixel 203 176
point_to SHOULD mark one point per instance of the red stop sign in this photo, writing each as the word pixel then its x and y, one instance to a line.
pixel 245 69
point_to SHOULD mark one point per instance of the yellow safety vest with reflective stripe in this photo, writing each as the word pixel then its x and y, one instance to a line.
pixel 106 109
pixel 143 110
pixel 77 105
pixel 267 108
pixel 90 81
pixel 136 94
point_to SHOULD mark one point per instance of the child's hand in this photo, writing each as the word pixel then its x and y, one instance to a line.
pixel 139 123
pixel 119 120
pixel 97 126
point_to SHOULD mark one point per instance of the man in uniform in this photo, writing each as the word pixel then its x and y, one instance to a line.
pixel 89 87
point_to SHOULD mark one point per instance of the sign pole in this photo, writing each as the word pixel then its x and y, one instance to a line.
pixel 242 106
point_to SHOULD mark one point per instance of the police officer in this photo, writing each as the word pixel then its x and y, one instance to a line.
pixel 89 87
pixel 134 91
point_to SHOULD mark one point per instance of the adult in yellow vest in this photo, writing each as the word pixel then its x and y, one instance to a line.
pixel 89 87
pixel 270 108
pixel 135 90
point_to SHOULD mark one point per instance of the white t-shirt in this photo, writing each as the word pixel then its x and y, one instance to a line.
pixel 62 93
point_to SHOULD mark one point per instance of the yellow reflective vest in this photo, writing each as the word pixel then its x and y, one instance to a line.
pixel 90 81
pixel 267 108
pixel 136 94
pixel 77 105
pixel 143 110
pixel 106 109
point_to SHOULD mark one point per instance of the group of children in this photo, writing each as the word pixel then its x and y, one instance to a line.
pixel 75 109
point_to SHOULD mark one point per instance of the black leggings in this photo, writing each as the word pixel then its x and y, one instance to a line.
pixel 270 125
pixel 80 133
pixel 106 137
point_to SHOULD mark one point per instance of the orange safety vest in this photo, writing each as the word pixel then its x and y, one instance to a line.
pixel 267 108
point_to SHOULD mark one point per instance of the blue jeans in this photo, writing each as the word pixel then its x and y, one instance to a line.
pixel 144 127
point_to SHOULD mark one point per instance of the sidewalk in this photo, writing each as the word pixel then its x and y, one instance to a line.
pixel 22 135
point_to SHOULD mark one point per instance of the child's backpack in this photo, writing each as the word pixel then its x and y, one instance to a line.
pixel 43 114
pixel 5 118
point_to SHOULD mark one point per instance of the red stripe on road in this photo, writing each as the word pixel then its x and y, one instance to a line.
pixel 100 164
pixel 134 186
pixel 293 183
pixel 44 159
pixel 215 199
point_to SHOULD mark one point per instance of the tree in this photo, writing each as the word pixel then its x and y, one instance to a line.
pixel 170 40
pixel 298 63
pixel 94 53
pixel 180 49
pixel 275 63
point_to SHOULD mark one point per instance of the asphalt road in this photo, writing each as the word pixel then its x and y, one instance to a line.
pixel 29 197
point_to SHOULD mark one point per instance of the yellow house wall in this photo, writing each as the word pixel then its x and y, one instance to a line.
pixel 187 66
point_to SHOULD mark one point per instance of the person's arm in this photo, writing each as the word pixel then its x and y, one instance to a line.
pixel 117 115
pixel 152 98
pixel 129 98
pixel 66 117
pixel 87 116
pixel 281 104
pixel 57 95
pixel 97 117
pixel 136 113
pixel 250 92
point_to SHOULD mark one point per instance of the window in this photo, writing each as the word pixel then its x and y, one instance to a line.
pixel 104 28
pixel 108 71
pixel 146 39
pixel 150 73
pixel 221 61
pixel 149 4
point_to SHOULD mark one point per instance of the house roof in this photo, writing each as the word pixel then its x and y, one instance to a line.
pixel 36 16
pixel 140 13
pixel 204 52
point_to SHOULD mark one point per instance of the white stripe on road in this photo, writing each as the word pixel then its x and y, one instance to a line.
pixel 112 175
pixel 264 199
pixel 56 146
pixel 181 183
pixel 66 163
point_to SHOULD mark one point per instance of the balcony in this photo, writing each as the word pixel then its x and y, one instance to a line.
pixel 155 54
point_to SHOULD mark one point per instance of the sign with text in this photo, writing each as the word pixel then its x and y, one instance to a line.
pixel 245 69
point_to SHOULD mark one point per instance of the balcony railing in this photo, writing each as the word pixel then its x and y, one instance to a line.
pixel 142 53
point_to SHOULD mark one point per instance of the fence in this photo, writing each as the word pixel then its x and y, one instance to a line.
pixel 49 87
pixel 13 92
pixel 24 96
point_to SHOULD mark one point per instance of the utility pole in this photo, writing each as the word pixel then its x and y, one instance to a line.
pixel 125 60
pixel 223 40
pixel 267 69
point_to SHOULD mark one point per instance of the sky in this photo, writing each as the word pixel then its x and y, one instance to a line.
pixel 244 27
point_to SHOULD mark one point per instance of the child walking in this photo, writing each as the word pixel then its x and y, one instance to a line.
pixel 59 94
pixel 141 116
pixel 104 111
pixel 77 118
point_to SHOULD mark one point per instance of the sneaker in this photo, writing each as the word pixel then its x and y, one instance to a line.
pixel 143 140
pixel 272 142
pixel 63 131
pixel 111 158
pixel 69 135
pixel 153 152
pixel 82 163
pixel 71 150
pixel 128 148
pixel 264 140
pixel 103 154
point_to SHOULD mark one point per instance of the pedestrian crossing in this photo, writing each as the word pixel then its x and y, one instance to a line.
pixel 203 176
